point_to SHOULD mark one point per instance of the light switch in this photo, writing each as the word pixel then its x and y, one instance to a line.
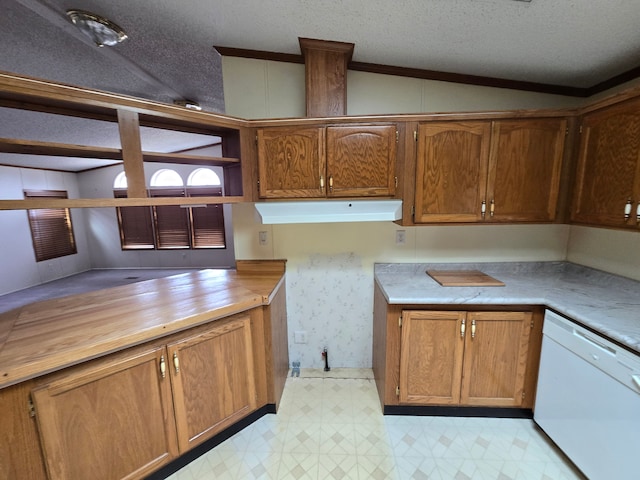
pixel 262 238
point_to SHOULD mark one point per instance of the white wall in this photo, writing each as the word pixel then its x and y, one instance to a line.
pixel 330 266
pixel 17 257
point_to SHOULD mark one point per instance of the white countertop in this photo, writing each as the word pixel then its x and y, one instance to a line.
pixel 606 303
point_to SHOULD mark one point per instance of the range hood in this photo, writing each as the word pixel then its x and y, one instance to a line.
pixel 327 211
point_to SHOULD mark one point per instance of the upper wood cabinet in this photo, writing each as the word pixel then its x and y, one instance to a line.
pixel 607 191
pixel 500 171
pixel 464 358
pixel 333 161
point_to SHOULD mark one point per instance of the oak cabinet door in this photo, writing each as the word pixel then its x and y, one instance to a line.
pixel 109 420
pixel 451 171
pixel 291 162
pixel 524 169
pixel 608 173
pixel 495 358
pixel 431 353
pixel 212 376
pixel 361 160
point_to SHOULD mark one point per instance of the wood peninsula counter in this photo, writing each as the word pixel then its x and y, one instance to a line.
pixel 118 383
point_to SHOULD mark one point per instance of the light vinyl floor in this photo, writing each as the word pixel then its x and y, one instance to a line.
pixel 330 426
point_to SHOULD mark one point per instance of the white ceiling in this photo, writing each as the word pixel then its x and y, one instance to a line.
pixel 170 54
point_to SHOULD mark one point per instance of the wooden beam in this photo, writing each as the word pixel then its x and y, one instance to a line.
pixel 326 76
pixel 132 153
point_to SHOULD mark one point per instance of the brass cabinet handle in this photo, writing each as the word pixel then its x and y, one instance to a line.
pixel 321 183
pixel 331 183
pixel 163 367
pixel 473 329
pixel 627 209
pixel 462 328
pixel 638 213
pixel 492 208
pixel 483 208
pixel 176 362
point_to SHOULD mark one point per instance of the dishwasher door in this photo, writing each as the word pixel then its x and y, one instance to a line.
pixel 588 400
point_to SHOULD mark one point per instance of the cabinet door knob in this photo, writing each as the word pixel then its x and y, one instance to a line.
pixel 163 367
pixel 483 208
pixel 331 183
pixel 627 209
pixel 473 329
pixel 176 362
pixel 462 328
pixel 492 208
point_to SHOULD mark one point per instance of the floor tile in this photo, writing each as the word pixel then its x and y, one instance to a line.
pixel 330 426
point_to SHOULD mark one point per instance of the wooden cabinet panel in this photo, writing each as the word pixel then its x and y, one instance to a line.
pixel 334 161
pixel 20 454
pixel 213 380
pixel 451 171
pixel 524 169
pixel 464 358
pixel 608 174
pixel 500 171
pixel 291 162
pixel 111 420
pixel 495 358
pixel 361 160
pixel 431 357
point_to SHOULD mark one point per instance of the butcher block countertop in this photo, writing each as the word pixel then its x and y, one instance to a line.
pixel 49 335
pixel 605 303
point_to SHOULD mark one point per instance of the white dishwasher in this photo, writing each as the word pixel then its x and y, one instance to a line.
pixel 588 400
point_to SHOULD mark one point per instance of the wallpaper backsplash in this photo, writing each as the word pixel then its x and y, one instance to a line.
pixel 331 298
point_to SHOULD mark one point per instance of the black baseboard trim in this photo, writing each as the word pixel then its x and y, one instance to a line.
pixel 203 448
pixel 457 411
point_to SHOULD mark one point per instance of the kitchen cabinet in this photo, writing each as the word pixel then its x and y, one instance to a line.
pixel 115 418
pixel 499 171
pixel 464 358
pixel 607 189
pixel 109 419
pixel 212 379
pixel 328 161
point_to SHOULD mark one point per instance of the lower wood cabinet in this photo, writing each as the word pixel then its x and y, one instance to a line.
pixel 464 358
pixel 114 418
pixel 212 378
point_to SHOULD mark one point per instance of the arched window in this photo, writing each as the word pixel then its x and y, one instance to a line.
pixel 203 176
pixel 120 181
pixel 166 177
pixel 173 226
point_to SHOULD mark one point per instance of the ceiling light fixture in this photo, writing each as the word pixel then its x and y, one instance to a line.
pixel 100 30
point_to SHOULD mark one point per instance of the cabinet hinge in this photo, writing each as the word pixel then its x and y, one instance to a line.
pixel 31 407
pixel 395 179
pixel 397 391
pixel 566 131
pixel 397 136
pixel 256 139
pixel 415 135
pixel 413 209
pixel 523 394
pixel 400 322
pixel 580 128
pixel 531 323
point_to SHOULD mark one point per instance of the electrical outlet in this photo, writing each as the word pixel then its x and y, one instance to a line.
pixel 401 237
pixel 262 238
pixel 300 336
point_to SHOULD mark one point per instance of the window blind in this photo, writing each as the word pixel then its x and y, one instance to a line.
pixel 51 228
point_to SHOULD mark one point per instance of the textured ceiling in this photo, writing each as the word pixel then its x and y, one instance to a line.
pixel 170 54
